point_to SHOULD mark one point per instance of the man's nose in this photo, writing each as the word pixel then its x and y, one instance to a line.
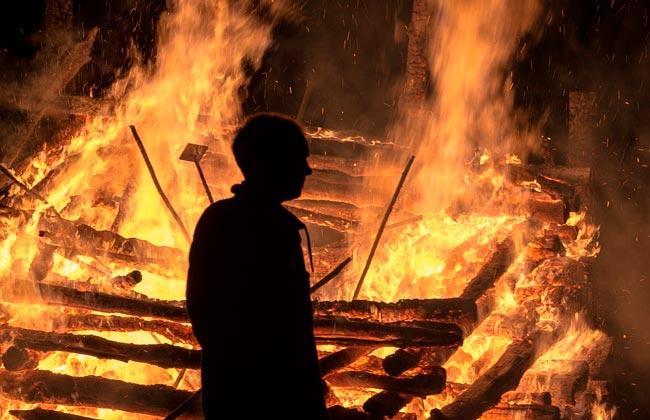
pixel 308 170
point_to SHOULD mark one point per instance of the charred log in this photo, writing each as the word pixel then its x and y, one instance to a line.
pixel 386 404
pixel 17 358
pixel 91 391
pixel 163 355
pixel 418 385
pixel 337 330
pixel 454 310
pixel 98 301
pixel 174 331
pixel 342 358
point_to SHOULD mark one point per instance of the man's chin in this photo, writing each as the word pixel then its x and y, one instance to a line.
pixel 292 195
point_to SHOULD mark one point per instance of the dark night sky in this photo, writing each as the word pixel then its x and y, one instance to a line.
pixel 600 46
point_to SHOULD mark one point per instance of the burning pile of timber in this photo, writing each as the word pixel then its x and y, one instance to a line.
pixel 473 355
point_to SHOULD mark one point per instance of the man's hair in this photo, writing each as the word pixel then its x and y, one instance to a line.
pixel 266 140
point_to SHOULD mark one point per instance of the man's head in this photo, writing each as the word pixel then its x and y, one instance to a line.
pixel 271 150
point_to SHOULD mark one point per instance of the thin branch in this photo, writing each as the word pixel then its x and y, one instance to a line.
pixel 383 226
pixel 157 184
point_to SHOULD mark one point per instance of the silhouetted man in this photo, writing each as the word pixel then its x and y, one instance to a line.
pixel 248 289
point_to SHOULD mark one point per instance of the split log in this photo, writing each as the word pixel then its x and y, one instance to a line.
pixel 341 331
pixel 163 355
pixel 486 391
pixel 171 310
pixel 497 264
pixel 41 414
pixel 340 359
pixel 45 387
pixel 418 385
pixel 454 310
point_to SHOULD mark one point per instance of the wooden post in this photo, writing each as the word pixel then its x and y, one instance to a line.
pixel 582 129
pixel 416 59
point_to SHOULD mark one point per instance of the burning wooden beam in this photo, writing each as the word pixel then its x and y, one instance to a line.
pixel 41 414
pixel 386 404
pixel 497 264
pixel 342 358
pixel 171 310
pixel 43 387
pixel 81 239
pixel 176 332
pixel 486 391
pixel 418 385
pixel 163 355
pixel 17 358
pixel 459 311
pixel 341 331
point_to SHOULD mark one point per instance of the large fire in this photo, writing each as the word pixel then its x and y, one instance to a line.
pixel 459 208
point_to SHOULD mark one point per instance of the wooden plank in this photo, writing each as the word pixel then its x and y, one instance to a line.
pixel 141 306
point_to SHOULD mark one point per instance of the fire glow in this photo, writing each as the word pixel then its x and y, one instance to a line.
pixel 98 179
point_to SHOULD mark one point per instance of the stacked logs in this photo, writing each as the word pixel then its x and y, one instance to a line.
pixel 426 332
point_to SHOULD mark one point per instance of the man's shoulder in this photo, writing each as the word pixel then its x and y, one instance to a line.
pixel 222 208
